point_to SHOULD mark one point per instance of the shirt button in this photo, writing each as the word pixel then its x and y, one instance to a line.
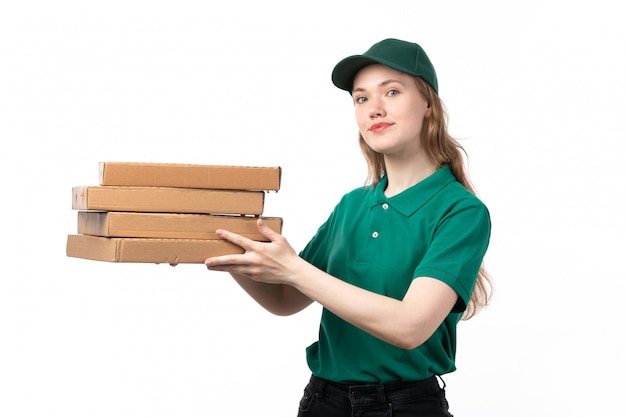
pixel 375 235
pixel 385 206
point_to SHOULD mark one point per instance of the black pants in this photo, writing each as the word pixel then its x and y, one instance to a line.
pixel 324 398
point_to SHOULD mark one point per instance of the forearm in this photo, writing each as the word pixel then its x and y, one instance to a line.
pixel 278 299
pixel 283 283
pixel 404 323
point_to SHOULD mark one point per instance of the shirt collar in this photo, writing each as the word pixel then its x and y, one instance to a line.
pixel 413 198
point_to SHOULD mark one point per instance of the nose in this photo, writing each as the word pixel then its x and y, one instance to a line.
pixel 376 108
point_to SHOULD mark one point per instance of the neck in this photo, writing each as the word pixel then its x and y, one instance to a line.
pixel 403 176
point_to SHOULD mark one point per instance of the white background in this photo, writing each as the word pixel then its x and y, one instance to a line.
pixel 534 90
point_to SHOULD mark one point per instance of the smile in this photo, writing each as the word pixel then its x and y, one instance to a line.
pixel 379 127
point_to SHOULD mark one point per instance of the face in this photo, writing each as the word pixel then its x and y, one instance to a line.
pixel 389 110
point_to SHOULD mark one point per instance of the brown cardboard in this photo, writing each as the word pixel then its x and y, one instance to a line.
pixel 170 225
pixel 190 176
pixel 169 251
pixel 167 200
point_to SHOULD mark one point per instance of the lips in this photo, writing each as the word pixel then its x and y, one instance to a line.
pixel 379 127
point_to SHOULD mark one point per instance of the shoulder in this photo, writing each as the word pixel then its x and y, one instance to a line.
pixel 358 196
pixel 455 196
pixel 457 210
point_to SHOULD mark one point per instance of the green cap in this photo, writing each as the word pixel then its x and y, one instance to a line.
pixel 399 55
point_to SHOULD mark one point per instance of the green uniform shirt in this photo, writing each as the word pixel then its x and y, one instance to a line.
pixel 437 229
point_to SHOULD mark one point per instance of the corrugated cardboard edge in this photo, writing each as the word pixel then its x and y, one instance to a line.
pixel 137 250
pixel 168 200
pixel 264 178
pixel 170 225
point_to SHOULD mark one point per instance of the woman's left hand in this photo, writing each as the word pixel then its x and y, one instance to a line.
pixel 272 262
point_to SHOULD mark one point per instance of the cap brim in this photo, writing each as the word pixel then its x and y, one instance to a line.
pixel 344 72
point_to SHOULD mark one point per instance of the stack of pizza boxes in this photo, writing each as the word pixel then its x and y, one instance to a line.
pixel 168 213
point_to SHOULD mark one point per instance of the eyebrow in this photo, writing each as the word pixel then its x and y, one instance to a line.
pixel 382 84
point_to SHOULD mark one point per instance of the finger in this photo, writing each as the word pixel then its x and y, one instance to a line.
pixel 238 240
pixel 222 262
pixel 267 231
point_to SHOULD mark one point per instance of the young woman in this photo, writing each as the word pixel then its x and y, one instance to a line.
pixel 398 262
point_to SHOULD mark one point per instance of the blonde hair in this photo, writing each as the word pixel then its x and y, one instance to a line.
pixel 442 149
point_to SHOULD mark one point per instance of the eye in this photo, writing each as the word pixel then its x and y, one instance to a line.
pixel 360 100
pixel 393 92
